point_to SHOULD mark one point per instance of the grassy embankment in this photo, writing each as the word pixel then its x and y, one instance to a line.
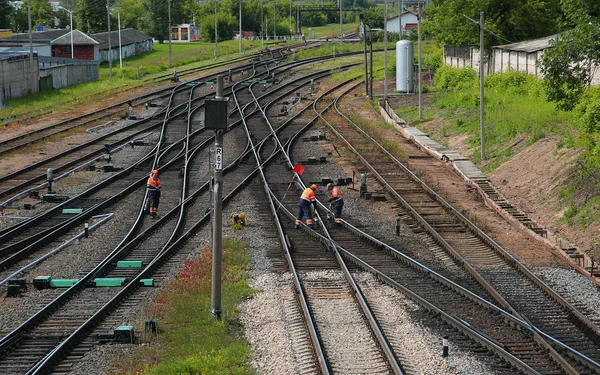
pixel 131 76
pixel 516 115
pixel 190 341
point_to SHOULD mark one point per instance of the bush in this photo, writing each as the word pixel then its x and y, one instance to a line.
pixel 453 78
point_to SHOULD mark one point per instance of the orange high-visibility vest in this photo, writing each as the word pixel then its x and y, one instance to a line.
pixel 335 194
pixel 153 183
pixel 309 195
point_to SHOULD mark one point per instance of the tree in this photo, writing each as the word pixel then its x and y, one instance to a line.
pixel 18 20
pixel 510 20
pixel 91 16
pixel 131 11
pixel 568 66
pixel 64 19
pixel 6 11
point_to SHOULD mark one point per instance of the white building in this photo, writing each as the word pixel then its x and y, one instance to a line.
pixel 408 19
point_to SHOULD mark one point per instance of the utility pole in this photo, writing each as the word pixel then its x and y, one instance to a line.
pixel 401 7
pixel 240 1
pixel 341 28
pixel 216 36
pixel 274 20
pixel 291 19
pixel 481 81
pixel 371 65
pixel 31 71
pixel 364 32
pixel 385 87
pixel 170 31
pixel 420 77
pixel 109 41
pixel 120 51
pixel 262 40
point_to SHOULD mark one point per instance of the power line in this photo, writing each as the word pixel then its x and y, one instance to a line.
pixel 485 29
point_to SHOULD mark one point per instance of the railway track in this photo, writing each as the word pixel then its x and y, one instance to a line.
pixel 127 243
pixel 511 284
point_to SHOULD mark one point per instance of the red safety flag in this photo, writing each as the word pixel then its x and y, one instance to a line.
pixel 298 169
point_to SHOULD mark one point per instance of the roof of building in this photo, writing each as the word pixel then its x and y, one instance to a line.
pixel 15 55
pixel 128 36
pixel 79 39
pixel 529 46
pixel 42 35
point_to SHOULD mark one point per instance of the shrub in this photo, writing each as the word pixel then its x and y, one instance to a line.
pixel 453 78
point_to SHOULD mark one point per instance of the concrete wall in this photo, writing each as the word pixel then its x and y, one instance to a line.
pixel 16 79
pixel 68 75
pixel 127 50
pixel 501 60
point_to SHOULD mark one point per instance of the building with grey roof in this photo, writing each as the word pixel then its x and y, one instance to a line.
pixel 84 47
pixel 133 43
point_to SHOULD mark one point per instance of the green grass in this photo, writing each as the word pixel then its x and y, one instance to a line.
pixel 190 340
pixel 330 29
pixel 148 64
pixel 515 107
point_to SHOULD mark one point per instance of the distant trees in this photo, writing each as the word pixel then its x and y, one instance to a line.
pixel 568 67
pixel 510 20
pixel 5 12
pixel 91 16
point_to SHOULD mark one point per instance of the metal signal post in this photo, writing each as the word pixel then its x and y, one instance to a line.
pixel 216 114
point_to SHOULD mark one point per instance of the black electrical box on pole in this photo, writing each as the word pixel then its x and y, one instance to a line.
pixel 215 118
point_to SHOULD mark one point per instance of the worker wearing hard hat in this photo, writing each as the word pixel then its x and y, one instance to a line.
pixel 337 202
pixel 153 186
pixel 306 199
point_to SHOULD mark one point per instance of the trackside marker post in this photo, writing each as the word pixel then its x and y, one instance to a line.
pixel 445 345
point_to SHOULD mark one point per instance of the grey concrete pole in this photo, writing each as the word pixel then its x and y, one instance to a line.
pixel 72 49
pixel 170 31
pixel 401 5
pixel 31 69
pixel 364 28
pixel 274 20
pixel 371 66
pixel 262 19
pixel 481 81
pixel 120 46
pixel 341 29
pixel 385 87
pixel 109 41
pixel 217 216
pixel 419 64
pixel 216 36
pixel 240 25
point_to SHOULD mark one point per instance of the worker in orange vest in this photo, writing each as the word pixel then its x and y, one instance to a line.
pixel 337 202
pixel 153 193
pixel 306 199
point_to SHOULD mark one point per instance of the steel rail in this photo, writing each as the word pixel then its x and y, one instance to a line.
pixel 539 337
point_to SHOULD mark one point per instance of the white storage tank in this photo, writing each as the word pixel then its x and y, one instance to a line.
pixel 405 70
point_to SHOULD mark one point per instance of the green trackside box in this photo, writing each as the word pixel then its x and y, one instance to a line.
pixel 62 283
pixel 111 281
pixel 130 264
